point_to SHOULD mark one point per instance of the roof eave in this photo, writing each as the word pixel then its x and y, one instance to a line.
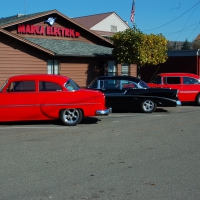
pixel 181 53
pixel 28 18
pixel 77 55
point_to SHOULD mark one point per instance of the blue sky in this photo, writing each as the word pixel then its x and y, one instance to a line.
pixel 177 20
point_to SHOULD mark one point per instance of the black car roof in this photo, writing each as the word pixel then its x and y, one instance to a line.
pixel 128 78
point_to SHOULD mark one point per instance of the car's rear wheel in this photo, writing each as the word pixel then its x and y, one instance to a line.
pixel 148 106
pixel 71 117
pixel 198 100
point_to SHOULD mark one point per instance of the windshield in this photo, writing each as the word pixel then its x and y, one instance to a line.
pixel 71 85
pixel 93 84
pixel 3 85
pixel 142 84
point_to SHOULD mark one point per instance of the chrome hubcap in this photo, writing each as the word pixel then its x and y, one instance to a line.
pixel 71 115
pixel 148 105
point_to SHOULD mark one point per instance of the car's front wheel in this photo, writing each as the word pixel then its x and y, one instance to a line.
pixel 198 100
pixel 71 117
pixel 148 106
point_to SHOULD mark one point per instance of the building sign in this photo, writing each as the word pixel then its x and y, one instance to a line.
pixel 47 30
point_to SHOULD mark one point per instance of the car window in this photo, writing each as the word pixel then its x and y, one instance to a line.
pixel 49 86
pixel 94 84
pixel 21 86
pixel 172 80
pixel 110 84
pixel 71 85
pixel 189 80
pixel 142 84
pixel 128 84
pixel 157 80
pixel 4 85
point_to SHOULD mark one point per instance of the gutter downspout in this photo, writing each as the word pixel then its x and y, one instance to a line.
pixel 198 64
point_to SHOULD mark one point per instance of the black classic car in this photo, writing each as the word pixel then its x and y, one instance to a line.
pixel 130 93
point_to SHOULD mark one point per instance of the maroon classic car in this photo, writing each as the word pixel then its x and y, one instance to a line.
pixel 48 97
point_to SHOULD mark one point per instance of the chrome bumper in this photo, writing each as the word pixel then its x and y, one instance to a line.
pixel 178 103
pixel 104 112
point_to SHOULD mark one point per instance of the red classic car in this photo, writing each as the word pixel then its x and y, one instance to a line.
pixel 48 97
pixel 188 85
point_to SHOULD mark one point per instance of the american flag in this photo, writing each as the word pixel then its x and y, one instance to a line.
pixel 132 11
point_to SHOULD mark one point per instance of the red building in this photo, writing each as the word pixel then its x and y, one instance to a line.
pixel 178 61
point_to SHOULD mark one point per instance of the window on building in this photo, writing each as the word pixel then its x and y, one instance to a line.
pixel 53 67
pixel 113 28
pixel 125 70
pixel 112 69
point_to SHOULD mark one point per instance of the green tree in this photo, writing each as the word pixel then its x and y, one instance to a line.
pixel 133 46
pixel 186 45
pixel 196 42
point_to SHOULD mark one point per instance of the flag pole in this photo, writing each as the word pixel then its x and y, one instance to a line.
pixel 134 15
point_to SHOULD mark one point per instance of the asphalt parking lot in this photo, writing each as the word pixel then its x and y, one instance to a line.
pixel 124 156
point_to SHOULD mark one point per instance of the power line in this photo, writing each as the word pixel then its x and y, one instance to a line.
pixel 194 29
pixel 174 19
pixel 186 28
pixel 186 22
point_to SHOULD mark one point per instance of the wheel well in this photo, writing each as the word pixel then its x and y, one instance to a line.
pixel 71 108
pixel 81 111
pixel 153 100
pixel 197 100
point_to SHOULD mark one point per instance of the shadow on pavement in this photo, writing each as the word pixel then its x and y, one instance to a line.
pixel 139 111
pixel 86 120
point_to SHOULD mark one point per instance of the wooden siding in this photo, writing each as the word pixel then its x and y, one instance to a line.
pixel 119 69
pixel 82 70
pixel 15 61
pixel 133 70
pixel 75 71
